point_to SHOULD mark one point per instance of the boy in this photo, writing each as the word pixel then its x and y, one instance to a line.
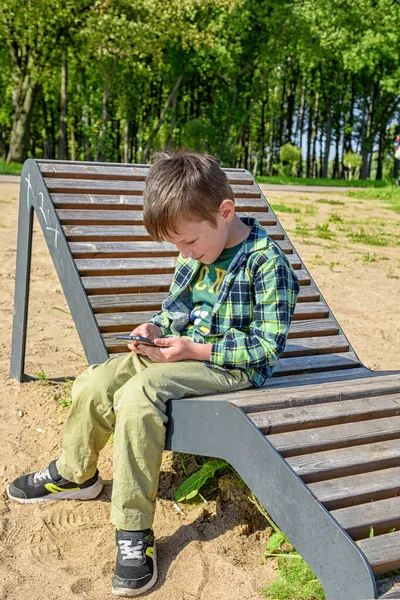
pixel 222 328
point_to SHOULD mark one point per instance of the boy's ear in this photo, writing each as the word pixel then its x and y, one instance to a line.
pixel 227 209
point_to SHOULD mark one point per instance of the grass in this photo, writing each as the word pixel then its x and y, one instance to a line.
pixel 295 580
pixel 335 218
pixel 285 208
pixel 390 195
pixel 359 183
pixel 11 169
pixel 324 232
pixel 369 239
pixel 42 377
pixel 331 202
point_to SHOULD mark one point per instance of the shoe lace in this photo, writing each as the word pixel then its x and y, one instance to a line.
pixel 43 474
pixel 128 551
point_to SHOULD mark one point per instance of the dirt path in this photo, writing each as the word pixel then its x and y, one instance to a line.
pixel 208 552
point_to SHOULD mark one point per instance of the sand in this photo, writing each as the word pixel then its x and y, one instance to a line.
pixel 208 551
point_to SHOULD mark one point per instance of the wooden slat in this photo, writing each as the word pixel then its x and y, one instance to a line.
pixel 137 302
pixel 318 439
pixel 346 461
pixel 382 515
pixel 125 266
pixel 304 346
pixel 284 366
pixel 151 283
pixel 126 188
pixel 382 552
pixel 144 284
pixel 124 217
pixel 331 413
pixel 358 489
pixel 120 172
pixel 134 266
pixel 127 302
pixel 312 327
pixel 300 392
pixel 116 202
pixel 310 310
pixel 306 379
pixel 128 233
pixel 132 249
pixel 119 250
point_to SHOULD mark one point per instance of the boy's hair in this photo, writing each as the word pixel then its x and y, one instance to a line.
pixel 182 185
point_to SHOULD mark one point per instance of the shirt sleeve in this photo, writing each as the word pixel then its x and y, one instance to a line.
pixel 162 321
pixel 276 289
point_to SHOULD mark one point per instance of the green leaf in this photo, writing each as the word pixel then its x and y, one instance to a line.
pixel 190 488
pixel 275 541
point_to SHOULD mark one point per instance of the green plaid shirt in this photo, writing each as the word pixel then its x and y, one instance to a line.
pixel 251 317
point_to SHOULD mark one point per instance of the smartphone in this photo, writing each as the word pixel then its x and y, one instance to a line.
pixel 136 338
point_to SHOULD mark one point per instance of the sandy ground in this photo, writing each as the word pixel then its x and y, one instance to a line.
pixel 212 550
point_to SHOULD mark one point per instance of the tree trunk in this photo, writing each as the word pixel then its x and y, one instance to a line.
pixel 291 96
pixel 161 120
pixel 262 138
pixel 127 128
pixel 169 139
pixel 328 135
pixel 108 77
pixel 23 98
pixel 366 142
pixel 336 163
pixel 314 134
pixel 73 140
pixel 300 127
pixel 309 138
pixel 63 143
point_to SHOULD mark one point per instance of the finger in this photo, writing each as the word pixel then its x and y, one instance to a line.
pixel 164 342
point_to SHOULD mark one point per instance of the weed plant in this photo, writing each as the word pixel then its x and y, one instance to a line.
pixel 358 183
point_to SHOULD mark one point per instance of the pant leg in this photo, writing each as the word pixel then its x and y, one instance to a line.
pixel 139 440
pixel 91 418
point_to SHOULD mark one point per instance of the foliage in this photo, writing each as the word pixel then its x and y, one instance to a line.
pixel 192 485
pixel 257 83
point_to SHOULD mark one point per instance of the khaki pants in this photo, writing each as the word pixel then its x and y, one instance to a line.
pixel 127 395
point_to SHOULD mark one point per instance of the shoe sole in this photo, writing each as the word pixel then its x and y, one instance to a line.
pixel 129 592
pixel 82 494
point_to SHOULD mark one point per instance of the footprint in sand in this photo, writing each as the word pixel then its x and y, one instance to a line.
pixel 59 537
pixel 81 585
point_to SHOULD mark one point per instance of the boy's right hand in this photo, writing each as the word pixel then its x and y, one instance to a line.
pixel 148 330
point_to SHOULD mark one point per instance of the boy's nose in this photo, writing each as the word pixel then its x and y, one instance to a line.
pixel 186 254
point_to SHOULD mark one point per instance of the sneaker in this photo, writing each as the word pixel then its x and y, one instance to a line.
pixel 48 485
pixel 136 568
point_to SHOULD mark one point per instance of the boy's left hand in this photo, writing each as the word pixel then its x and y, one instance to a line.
pixel 175 349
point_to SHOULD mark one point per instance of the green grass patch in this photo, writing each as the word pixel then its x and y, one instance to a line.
pixel 361 237
pixel 295 581
pixel 11 169
pixel 285 208
pixel 331 202
pixel 324 232
pixel 289 180
pixel 335 218
pixel 311 211
pixel 390 195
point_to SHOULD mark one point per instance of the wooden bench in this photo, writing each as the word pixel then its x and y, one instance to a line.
pixel 319 445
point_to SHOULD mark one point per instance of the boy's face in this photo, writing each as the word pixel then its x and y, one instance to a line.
pixel 200 240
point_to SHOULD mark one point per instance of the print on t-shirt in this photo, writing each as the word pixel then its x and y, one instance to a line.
pixel 205 289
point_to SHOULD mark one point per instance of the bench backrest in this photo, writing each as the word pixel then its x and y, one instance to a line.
pixel 97 210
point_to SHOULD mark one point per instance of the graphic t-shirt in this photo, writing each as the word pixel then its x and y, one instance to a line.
pixel 204 290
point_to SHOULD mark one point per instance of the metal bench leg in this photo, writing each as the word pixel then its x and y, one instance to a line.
pixel 22 277
pixel 220 429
